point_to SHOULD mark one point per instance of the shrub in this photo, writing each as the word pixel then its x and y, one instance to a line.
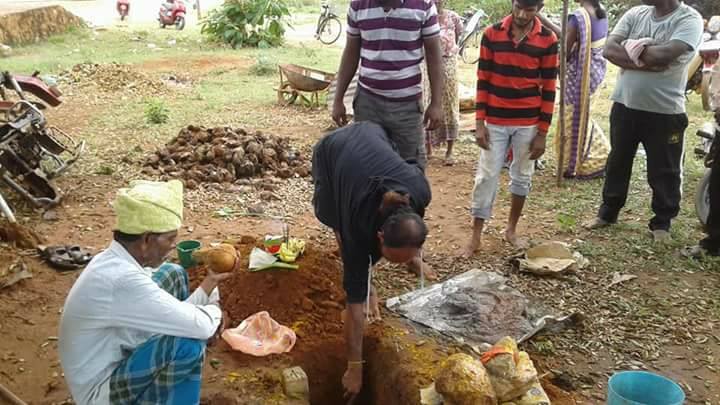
pixel 156 112
pixel 264 66
pixel 248 23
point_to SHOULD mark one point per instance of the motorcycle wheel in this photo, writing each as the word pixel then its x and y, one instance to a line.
pixel 180 23
pixel 702 197
pixel 122 17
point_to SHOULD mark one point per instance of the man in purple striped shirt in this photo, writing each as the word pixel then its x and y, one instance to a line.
pixel 388 39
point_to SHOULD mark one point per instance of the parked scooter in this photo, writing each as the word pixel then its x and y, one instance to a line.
pixel 172 12
pixel 123 8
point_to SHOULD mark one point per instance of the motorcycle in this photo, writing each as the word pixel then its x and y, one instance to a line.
pixel 698 72
pixel 47 95
pixel 123 8
pixel 32 152
pixel 172 13
pixel 710 146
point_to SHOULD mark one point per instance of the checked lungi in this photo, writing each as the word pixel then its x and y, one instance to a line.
pixel 164 369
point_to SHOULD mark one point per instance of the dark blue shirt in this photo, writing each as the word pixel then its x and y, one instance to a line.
pixel 353 167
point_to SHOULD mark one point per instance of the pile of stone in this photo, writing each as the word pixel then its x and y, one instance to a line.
pixel 224 155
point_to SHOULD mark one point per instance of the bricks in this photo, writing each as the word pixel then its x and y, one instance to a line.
pixel 295 385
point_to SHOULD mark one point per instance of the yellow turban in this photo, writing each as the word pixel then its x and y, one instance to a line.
pixel 149 206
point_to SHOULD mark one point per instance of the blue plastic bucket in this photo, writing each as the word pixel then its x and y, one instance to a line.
pixel 643 388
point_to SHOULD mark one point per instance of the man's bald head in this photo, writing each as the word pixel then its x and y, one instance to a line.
pixel 404 229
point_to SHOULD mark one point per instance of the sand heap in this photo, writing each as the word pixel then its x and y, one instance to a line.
pixel 113 77
pixel 308 300
pixel 223 155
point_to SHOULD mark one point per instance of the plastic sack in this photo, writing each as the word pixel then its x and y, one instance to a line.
pixel 511 371
pixel 462 380
pixel 260 335
pixel 534 396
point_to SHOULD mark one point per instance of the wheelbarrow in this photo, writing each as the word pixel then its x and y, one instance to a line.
pixel 296 80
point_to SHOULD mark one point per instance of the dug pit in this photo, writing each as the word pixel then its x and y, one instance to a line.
pixel 310 301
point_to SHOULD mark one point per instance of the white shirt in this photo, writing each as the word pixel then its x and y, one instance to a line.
pixel 114 307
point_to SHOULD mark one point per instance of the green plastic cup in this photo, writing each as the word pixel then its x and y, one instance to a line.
pixel 185 250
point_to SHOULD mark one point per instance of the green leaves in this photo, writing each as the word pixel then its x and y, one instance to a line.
pixel 248 23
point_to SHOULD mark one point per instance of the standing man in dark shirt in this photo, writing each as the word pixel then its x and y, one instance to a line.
pixel 374 201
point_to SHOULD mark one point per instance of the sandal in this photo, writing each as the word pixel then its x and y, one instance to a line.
pixel 65 258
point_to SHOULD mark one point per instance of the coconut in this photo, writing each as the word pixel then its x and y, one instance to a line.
pixel 284 173
pixel 253 148
pixel 268 155
pixel 191 184
pixel 238 155
pixel 222 258
pixel 218 150
pixel 209 156
pixel 153 160
pixel 302 171
pixel 245 169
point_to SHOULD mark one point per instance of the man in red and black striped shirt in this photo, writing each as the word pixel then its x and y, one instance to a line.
pixel 515 100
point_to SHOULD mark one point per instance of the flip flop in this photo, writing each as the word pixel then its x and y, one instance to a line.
pixel 65 258
pixel 79 255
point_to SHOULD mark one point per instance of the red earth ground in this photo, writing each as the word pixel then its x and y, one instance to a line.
pixel 30 310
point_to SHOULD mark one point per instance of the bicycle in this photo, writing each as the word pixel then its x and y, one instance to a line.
pixel 329 26
pixel 470 41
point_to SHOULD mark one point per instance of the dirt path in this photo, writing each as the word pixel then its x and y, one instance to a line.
pixel 667 299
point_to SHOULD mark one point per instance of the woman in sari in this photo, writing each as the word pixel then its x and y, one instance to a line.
pixel 451 28
pixel 586 146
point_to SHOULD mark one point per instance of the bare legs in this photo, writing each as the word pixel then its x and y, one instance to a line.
pixel 516 207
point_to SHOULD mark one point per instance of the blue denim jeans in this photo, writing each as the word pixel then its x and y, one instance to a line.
pixel 502 138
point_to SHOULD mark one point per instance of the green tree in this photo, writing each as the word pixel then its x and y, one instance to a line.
pixel 248 23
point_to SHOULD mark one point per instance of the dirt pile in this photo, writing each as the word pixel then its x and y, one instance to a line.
pixel 308 300
pixel 18 235
pixel 36 24
pixel 223 155
pixel 113 77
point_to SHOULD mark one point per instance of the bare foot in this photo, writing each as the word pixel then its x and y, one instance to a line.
pixel 472 247
pixel 374 308
pixel 416 266
pixel 512 238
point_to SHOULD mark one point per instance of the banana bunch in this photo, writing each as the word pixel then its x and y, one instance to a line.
pixel 291 250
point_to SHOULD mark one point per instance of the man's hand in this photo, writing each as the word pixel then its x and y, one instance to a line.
pixel 433 117
pixel 339 115
pixel 482 135
pixel 221 328
pixel 213 279
pixel 537 148
pixel 352 380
